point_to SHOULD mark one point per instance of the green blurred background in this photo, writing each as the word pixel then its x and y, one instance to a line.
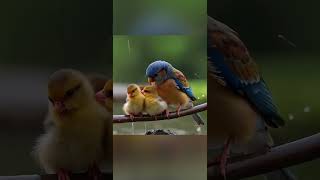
pixel 133 54
pixel 151 17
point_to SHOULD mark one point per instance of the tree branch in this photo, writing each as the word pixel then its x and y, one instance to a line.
pixel 82 176
pixel 172 115
pixel 286 155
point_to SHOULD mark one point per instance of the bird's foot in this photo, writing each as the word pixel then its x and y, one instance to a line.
pixel 223 159
pixel 63 174
pixel 178 110
pixel 223 164
pixel 94 172
pixel 131 117
pixel 167 113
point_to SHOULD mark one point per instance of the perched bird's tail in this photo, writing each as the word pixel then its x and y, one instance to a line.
pixel 281 174
pixel 197 118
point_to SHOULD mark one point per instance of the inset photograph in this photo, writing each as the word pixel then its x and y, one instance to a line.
pixel 160 85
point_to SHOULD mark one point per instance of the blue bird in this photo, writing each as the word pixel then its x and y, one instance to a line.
pixel 172 86
pixel 240 103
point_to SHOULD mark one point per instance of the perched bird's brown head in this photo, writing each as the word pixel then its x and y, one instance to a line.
pixel 150 90
pixel 68 91
pixel 133 90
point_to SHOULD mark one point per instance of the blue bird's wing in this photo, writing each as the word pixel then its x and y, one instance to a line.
pixel 183 84
pixel 231 64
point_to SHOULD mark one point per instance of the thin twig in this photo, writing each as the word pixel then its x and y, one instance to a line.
pixel 286 155
pixel 172 115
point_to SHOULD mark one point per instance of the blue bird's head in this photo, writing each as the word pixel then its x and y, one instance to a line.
pixel 159 71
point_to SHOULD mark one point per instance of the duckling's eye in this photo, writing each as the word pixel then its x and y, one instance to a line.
pixel 146 91
pixel 109 94
pixel 51 100
pixel 133 90
pixel 71 91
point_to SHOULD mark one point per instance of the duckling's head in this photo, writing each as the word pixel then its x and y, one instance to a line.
pixel 133 90
pixel 69 91
pixel 150 90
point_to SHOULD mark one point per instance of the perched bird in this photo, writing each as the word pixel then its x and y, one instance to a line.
pixel 75 142
pixel 154 105
pixel 241 106
pixel 135 101
pixel 105 96
pixel 172 86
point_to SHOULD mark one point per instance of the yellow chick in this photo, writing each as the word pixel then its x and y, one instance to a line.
pixel 135 101
pixel 75 142
pixel 154 105
pixel 105 96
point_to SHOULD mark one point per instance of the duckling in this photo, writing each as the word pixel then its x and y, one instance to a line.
pixel 75 142
pixel 135 101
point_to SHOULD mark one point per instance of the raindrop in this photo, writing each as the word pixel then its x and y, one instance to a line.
pixel 129 48
pixel 198 129
pixel 280 36
pixel 306 109
pixel 290 116
pixel 197 75
pixel 132 127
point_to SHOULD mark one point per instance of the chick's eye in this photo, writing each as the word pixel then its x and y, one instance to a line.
pixel 69 92
pixel 109 94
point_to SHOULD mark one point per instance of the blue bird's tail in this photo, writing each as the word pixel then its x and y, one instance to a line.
pixel 197 118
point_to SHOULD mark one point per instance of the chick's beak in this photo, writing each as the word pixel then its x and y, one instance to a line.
pixel 59 107
pixel 100 97
pixel 130 95
pixel 151 80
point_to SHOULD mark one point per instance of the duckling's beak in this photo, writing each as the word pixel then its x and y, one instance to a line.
pixel 100 97
pixel 59 107
pixel 130 95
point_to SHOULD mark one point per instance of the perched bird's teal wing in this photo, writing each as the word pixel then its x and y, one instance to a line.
pixel 183 83
pixel 231 64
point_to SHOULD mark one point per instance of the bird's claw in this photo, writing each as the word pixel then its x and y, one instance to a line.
pixel 178 111
pixel 223 165
pixel 94 172
pixel 167 113
pixel 131 117
pixel 63 174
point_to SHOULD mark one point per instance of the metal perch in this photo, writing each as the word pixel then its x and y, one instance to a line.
pixel 172 115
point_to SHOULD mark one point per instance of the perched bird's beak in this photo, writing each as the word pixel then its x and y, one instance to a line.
pixel 100 97
pixel 59 107
pixel 151 80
